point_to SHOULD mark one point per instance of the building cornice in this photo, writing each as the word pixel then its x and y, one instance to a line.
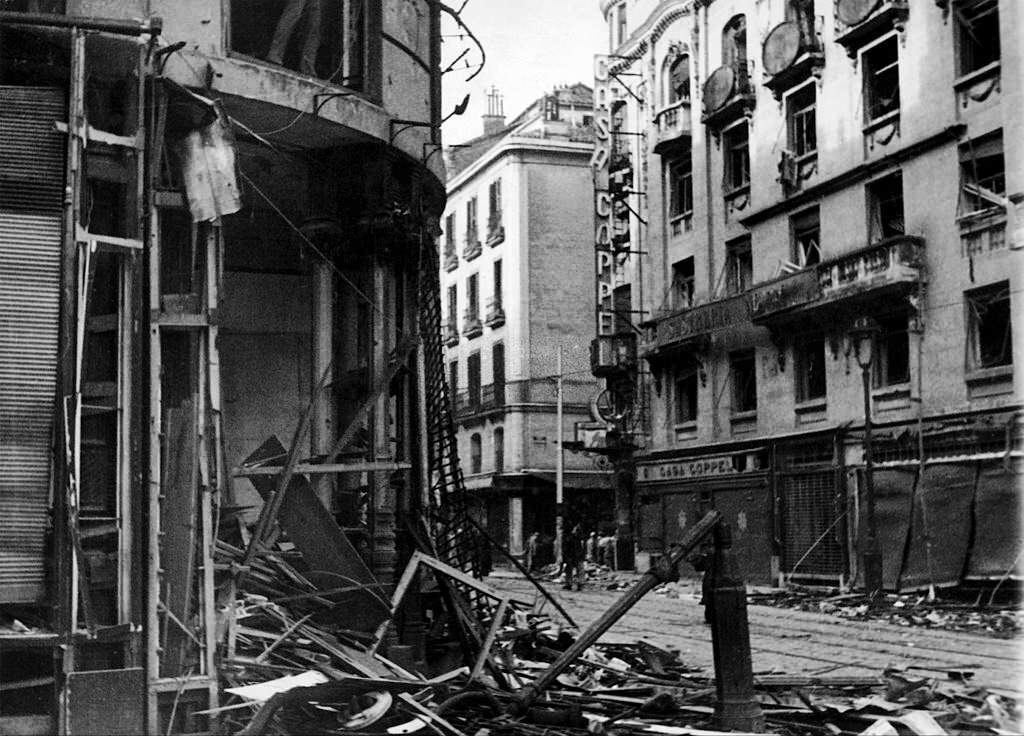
pixel 514 143
pixel 651 31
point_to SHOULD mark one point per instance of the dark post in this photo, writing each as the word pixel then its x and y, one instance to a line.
pixel 872 555
pixel 736 707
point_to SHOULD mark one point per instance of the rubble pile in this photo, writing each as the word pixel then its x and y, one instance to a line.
pixel 320 683
pixel 902 610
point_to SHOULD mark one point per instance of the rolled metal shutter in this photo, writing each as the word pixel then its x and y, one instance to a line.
pixel 31 194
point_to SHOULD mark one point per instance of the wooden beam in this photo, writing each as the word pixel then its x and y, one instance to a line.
pixel 322 468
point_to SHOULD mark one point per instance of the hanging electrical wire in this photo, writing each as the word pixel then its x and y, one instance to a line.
pixel 457 17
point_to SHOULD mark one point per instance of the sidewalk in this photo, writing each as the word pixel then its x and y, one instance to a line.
pixel 792 642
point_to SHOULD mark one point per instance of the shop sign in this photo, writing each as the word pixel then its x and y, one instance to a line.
pixel 793 291
pixel 603 212
pixel 700 467
pixel 701 320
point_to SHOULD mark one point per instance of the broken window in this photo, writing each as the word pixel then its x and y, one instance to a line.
pixel 807 238
pixel 319 38
pixel 676 80
pixel 801 120
pixel 680 186
pixel 977 25
pixel 685 398
pixel 892 345
pixel 736 154
pixel 734 43
pixel 682 284
pixel 809 368
pixel 475 453
pixel 983 176
pixel 989 326
pixel 885 207
pixel 742 366
pixel 881 79
pixel 739 266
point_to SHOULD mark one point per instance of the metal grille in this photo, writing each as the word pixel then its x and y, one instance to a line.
pixel 31 189
pixel 809 525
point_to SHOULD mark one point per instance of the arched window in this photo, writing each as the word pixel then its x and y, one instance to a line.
pixel 679 79
pixel 499 450
pixel 475 453
pixel 734 41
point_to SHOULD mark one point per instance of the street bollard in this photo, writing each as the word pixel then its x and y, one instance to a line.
pixel 736 707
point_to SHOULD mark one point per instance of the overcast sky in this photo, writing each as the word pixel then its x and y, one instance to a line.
pixel 531 46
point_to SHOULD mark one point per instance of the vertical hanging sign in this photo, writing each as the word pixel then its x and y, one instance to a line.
pixel 605 262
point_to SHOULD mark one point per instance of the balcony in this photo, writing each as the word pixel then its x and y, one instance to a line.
pixel 451 258
pixel 484 399
pixel 791 53
pixel 473 247
pixel 471 324
pixel 495 316
pixel 495 230
pixel 728 94
pixel 874 277
pixel 858 22
pixel 450 333
pixel 672 126
pixel 613 355
pixel 690 329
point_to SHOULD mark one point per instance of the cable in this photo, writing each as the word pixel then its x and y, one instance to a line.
pixel 355 289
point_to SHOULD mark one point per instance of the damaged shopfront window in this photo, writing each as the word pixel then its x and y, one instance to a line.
pixel 318 38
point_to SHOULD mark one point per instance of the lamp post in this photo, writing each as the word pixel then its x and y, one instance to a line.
pixel 863 334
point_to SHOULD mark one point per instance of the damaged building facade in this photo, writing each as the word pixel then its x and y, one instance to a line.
pixel 515 286
pixel 767 176
pixel 217 227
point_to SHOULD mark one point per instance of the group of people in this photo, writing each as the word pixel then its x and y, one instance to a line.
pixel 577 549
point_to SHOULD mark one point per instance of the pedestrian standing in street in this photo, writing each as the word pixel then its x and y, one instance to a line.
pixel 572 558
pixel 592 547
pixel 532 547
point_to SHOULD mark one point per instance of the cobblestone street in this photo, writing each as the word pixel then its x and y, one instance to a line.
pixel 796 642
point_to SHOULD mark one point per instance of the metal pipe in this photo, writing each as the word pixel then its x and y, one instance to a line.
pixel 153 26
pixel 664 570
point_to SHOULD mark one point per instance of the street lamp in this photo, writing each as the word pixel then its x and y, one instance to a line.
pixel 862 335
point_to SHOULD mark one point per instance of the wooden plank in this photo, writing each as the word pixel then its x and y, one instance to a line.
pixel 323 468
pixel 179 529
pixel 323 544
pixel 492 633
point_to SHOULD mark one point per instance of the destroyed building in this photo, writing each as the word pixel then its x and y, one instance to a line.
pixel 769 177
pixel 219 335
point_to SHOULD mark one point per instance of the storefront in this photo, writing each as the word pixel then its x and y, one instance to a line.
pixel 674 491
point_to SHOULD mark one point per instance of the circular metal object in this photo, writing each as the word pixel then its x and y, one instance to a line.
pixel 719 87
pixel 781 47
pixel 612 406
pixel 852 12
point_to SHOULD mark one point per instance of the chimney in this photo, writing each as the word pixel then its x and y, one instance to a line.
pixel 494 120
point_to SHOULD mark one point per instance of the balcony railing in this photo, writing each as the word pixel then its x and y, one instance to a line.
pixel 671 124
pixel 471 324
pixel 728 93
pixel 884 271
pixel 495 316
pixel 450 333
pixel 495 230
pixel 451 258
pixel 469 402
pixel 690 329
pixel 473 248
